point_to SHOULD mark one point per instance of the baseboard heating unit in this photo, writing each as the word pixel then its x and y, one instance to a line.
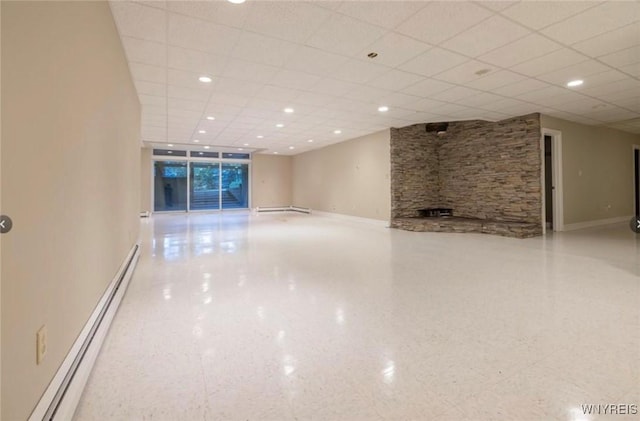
pixel 61 397
pixel 261 209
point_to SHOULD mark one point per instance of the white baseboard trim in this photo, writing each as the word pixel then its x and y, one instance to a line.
pixel 371 221
pixel 596 223
pixel 61 398
pixel 262 209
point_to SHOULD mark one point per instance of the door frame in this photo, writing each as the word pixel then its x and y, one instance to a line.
pixel 158 158
pixel 635 148
pixel 188 160
pixel 556 179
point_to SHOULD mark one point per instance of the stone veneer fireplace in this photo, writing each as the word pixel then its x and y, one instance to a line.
pixel 487 173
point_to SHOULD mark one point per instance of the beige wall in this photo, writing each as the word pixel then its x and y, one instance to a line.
pixel 597 170
pixel 271 180
pixel 350 178
pixel 70 166
pixel 146 164
pixel 0 211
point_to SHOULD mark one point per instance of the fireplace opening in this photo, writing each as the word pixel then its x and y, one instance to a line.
pixel 435 212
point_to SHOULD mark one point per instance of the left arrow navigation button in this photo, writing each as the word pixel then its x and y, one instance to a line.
pixel 5 224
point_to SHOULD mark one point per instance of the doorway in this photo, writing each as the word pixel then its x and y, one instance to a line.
pixel 205 186
pixel 636 179
pixel 200 185
pixel 170 186
pixel 551 155
pixel 548 183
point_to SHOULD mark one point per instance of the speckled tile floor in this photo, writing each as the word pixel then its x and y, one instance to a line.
pixel 296 317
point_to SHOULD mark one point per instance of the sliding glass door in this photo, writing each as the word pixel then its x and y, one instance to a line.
pixel 205 186
pixel 183 184
pixel 235 186
pixel 170 186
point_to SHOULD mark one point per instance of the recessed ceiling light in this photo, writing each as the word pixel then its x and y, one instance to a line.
pixel 292 147
pixel 202 131
pixel 170 145
pixel 246 144
pixel 279 125
pixel 276 153
pixel 288 110
pixel 205 79
pixel 575 83
pixel 210 117
pixel 207 147
pixel 259 136
pixel 383 109
pixel 236 1
pixel 196 140
pixel 310 140
pixel 337 131
pixel 240 149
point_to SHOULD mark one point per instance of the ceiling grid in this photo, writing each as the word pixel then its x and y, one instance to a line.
pixel 437 61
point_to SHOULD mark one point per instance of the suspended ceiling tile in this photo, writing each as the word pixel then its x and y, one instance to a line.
pixel 518 88
pixel 253 72
pixel 609 42
pixel 187 93
pixel 395 80
pixel 427 87
pixel 220 12
pixel 195 61
pixel 623 58
pixel 537 15
pixel 201 35
pixel 432 62
pixel 393 49
pixel 315 61
pixel 385 14
pixel 489 34
pixel 577 71
pixel 263 49
pixel 187 105
pixel 344 35
pixel 331 86
pixel 549 62
pixel 294 80
pixel 231 86
pixel 521 50
pixel 455 94
pixel 357 71
pixel 291 21
pixel 439 21
pixel 495 80
pixel 603 18
pixel 465 73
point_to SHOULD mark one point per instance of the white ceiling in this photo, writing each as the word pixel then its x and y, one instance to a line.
pixel 264 56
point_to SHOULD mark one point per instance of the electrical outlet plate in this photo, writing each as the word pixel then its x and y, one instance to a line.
pixel 41 344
